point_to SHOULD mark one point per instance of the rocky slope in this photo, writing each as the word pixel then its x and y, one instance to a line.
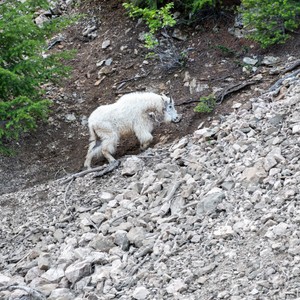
pixel 215 215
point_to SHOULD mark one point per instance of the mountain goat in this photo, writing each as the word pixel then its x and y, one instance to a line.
pixel 132 113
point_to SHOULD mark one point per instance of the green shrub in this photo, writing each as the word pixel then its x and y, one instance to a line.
pixel 192 6
pixel 24 67
pixel 206 104
pixel 270 20
pixel 155 19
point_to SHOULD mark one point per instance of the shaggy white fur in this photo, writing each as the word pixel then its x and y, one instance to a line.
pixel 132 113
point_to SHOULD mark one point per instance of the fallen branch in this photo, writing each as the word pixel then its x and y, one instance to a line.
pixel 187 102
pixel 293 66
pixel 222 94
pixel 274 89
pixel 103 170
pixel 35 295
pixel 136 77
pixel 81 174
pixel 108 169
pixel 232 89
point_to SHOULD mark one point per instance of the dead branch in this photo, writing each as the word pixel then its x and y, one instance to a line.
pixel 232 89
pixel 103 170
pixel 108 169
pixel 274 89
pixel 136 77
pixel 224 93
pixel 81 174
pixel 293 66
pixel 35 295
pixel 187 102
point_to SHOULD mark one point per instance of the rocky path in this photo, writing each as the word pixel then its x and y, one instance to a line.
pixel 215 215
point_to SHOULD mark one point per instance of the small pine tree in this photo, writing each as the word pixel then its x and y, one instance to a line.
pixel 24 67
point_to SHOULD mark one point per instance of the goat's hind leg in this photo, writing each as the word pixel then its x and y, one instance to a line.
pixel 94 151
pixel 109 145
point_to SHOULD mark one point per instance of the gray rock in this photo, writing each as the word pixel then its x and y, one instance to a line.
pixel 77 270
pixel 140 293
pixel 210 201
pixel 132 165
pixel 136 236
pixel 270 60
pixel 121 239
pixel 250 61
pixel 106 44
pixel 61 294
pixel 54 274
pixel 44 261
pixel 102 243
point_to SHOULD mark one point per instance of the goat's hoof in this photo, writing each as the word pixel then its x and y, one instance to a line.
pixel 115 163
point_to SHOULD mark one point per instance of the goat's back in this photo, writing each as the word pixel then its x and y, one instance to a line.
pixel 127 109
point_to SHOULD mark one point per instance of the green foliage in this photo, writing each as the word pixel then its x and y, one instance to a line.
pixel 206 104
pixel 270 20
pixel 155 19
pixel 24 67
pixel 193 6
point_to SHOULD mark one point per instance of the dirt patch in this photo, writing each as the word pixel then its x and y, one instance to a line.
pixel 59 147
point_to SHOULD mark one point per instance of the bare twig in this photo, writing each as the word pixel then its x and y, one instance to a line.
pixel 108 169
pixel 136 77
pixel 103 170
pixel 35 295
pixel 82 173
pixel 187 102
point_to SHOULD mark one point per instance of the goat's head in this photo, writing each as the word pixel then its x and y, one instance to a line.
pixel 170 113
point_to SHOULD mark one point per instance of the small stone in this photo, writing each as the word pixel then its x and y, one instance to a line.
pixel 102 243
pixel 121 239
pixel 210 201
pixel 140 293
pixel 296 129
pixel 280 229
pixel 250 61
pixel 44 262
pixel 236 105
pixel 4 280
pixel 176 285
pixel 61 294
pixel 132 165
pixel 58 235
pixel 70 117
pixel 54 274
pixel 224 232
pixel 78 270
pixel 136 236
pixel 105 44
pixel 270 60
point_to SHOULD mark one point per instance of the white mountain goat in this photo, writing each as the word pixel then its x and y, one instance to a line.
pixel 132 113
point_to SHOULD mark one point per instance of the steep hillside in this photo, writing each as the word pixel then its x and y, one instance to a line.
pixel 212 216
pixel 111 60
pixel 210 211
